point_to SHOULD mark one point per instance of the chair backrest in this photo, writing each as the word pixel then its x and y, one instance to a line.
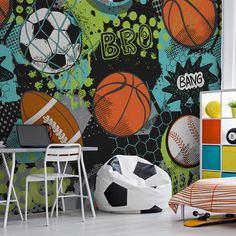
pixel 63 152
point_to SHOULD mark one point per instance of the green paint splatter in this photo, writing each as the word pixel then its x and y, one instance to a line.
pixel 82 93
pixel 38 85
pixel 133 15
pixel 92 92
pixel 88 82
pixel 152 22
pixel 91 20
pixel 87 104
pixel 22 168
pixel 143 53
pixel 166 36
pixel 2 175
pixel 142 19
pixel 51 85
pixel 156 34
pixel 116 22
pixel 3 188
pixel 136 28
pixel 126 25
pixel 32 74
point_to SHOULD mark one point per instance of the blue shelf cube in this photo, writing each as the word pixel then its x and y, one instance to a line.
pixel 211 157
pixel 227 174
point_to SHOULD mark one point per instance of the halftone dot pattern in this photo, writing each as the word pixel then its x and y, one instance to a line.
pixel 5 11
pixel 12 39
pixel 9 115
pixel 157 4
pixel 217 51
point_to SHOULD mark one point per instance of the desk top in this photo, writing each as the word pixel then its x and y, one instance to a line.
pixel 22 150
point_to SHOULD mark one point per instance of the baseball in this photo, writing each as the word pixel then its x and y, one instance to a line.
pixel 183 141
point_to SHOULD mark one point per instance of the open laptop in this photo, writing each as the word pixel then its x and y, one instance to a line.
pixel 34 136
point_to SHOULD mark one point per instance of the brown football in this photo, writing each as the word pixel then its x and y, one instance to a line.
pixel 40 108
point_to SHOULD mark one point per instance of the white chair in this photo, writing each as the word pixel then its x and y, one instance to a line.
pixel 61 153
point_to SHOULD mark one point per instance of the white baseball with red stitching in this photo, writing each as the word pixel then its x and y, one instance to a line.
pixel 183 140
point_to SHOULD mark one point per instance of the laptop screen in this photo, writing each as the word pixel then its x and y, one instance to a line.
pixel 33 135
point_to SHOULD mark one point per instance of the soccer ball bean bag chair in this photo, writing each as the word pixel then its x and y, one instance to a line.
pixel 130 184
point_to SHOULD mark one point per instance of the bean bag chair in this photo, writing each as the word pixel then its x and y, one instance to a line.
pixel 130 184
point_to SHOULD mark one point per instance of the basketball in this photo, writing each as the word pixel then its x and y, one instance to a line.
pixel 122 104
pixel 191 23
pixel 5 11
pixel 212 109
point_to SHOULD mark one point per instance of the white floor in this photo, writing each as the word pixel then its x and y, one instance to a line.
pixel 105 224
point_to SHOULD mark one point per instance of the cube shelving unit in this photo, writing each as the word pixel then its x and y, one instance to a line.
pixel 217 156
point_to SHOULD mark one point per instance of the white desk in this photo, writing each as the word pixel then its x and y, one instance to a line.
pixel 10 174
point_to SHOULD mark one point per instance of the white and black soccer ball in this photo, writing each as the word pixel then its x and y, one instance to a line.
pixel 51 40
pixel 133 185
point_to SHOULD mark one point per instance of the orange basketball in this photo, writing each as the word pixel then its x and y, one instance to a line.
pixel 5 10
pixel 190 22
pixel 122 104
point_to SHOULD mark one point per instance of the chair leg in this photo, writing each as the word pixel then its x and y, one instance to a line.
pixel 87 185
pixel 26 199
pixel 60 189
pixel 57 190
pixel 46 201
pixel 81 192
pixel 61 185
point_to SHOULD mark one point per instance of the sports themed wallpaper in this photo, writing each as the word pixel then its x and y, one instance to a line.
pixel 122 75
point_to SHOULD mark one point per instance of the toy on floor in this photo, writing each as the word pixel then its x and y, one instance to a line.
pixel 206 219
pixel 202 216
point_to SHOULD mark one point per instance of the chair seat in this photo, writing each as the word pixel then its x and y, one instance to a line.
pixel 50 177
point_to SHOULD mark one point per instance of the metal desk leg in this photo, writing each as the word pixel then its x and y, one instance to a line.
pixel 14 192
pixel 182 212
pixel 9 189
pixel 87 185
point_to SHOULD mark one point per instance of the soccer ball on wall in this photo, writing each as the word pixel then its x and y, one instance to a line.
pixel 132 184
pixel 51 40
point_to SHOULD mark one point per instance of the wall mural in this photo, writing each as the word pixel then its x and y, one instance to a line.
pixel 121 75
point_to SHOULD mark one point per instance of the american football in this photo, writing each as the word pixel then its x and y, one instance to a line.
pixel 39 108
